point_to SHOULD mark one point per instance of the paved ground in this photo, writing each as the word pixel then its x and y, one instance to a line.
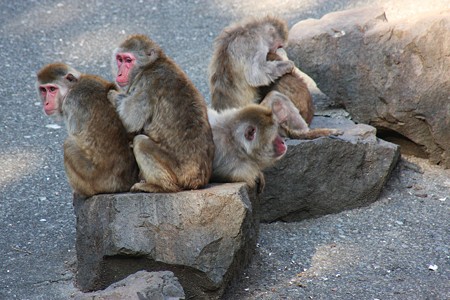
pixel 380 252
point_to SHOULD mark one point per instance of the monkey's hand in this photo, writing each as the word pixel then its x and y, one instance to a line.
pixel 281 68
pixel 115 97
pixel 260 183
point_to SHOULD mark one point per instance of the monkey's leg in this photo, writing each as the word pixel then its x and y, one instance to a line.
pixel 80 170
pixel 260 183
pixel 310 134
pixel 155 166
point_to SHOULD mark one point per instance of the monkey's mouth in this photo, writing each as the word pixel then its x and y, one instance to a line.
pixel 280 147
pixel 49 112
pixel 122 84
pixel 276 47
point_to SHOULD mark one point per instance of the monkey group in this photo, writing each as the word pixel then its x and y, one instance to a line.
pixel 151 130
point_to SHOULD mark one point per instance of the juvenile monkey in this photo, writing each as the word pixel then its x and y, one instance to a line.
pixel 175 148
pixel 239 64
pixel 247 141
pixel 292 86
pixel 97 156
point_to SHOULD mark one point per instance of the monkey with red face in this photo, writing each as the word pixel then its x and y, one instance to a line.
pixel 247 141
pixel 173 147
pixel 97 156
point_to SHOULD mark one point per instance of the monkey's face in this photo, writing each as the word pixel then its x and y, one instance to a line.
pixel 261 139
pixel 125 62
pixel 276 35
pixel 53 82
pixel 135 52
pixel 50 95
pixel 268 146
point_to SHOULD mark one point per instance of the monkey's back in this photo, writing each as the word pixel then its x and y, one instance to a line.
pixel 98 158
pixel 179 121
pixel 228 85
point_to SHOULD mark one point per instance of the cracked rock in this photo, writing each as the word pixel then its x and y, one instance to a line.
pixel 203 236
pixel 329 174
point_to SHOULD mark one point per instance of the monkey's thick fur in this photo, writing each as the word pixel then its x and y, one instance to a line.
pixel 175 150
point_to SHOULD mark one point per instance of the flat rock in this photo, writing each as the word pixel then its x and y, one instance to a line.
pixel 203 236
pixel 391 73
pixel 328 174
pixel 142 285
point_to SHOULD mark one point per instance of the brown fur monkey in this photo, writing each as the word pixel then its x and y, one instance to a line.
pixel 97 156
pixel 292 86
pixel 239 65
pixel 247 141
pixel 175 150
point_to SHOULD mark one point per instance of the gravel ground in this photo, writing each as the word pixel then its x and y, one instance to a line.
pixel 383 251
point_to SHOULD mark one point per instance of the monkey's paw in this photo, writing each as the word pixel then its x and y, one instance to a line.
pixel 137 187
pixel 336 132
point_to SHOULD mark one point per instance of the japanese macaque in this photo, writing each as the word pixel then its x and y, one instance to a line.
pixel 247 141
pixel 248 62
pixel 174 146
pixel 97 155
pixel 292 86
pixel 239 65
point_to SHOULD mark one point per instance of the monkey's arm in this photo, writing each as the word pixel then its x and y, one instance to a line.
pixel 134 109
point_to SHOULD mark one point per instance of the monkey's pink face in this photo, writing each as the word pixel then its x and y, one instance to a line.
pixel 278 44
pixel 49 95
pixel 279 147
pixel 125 63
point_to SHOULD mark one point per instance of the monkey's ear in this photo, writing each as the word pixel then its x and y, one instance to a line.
pixel 151 53
pixel 250 132
pixel 71 78
pixel 280 111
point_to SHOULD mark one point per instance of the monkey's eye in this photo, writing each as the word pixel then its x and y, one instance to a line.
pixel 52 89
pixel 128 60
pixel 42 89
pixel 119 59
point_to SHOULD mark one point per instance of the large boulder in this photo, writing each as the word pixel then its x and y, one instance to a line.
pixel 389 73
pixel 140 286
pixel 203 236
pixel 329 174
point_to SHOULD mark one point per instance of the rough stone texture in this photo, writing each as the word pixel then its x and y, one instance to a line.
pixel 392 74
pixel 142 285
pixel 329 174
pixel 203 236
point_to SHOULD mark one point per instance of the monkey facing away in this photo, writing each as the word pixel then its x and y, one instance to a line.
pixel 239 64
pixel 247 141
pixel 174 147
pixel 97 156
